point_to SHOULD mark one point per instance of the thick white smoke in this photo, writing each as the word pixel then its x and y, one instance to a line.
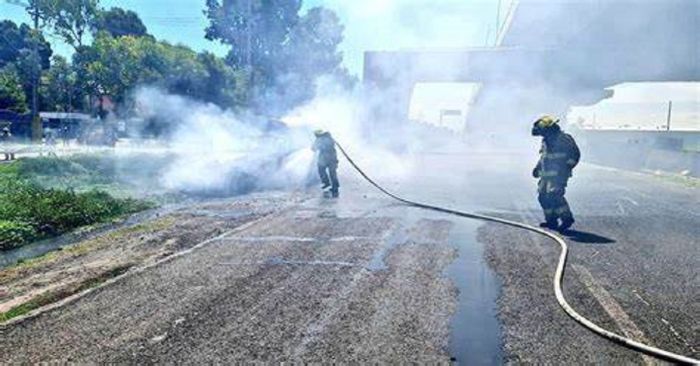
pixel 216 150
pixel 344 113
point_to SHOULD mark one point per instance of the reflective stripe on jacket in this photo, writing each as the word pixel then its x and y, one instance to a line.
pixel 558 156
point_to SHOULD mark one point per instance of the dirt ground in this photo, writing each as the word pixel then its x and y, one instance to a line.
pixel 84 264
pixel 318 281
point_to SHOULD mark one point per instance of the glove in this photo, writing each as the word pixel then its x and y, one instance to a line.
pixel 536 172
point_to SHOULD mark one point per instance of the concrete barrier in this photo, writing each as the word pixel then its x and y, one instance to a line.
pixel 676 152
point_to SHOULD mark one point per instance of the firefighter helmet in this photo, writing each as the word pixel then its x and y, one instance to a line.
pixel 546 121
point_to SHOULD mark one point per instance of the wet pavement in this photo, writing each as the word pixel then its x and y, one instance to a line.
pixel 364 279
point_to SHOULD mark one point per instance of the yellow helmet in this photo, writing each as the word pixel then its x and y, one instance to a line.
pixel 546 121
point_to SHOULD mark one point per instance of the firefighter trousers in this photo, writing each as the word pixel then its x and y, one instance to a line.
pixel 329 176
pixel 551 197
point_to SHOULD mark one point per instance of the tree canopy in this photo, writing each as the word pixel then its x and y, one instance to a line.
pixel 16 39
pixel 12 96
pixel 70 19
pixel 115 66
pixel 119 22
pixel 276 54
pixel 282 51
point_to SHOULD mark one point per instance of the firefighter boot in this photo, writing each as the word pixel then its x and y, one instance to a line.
pixel 566 223
pixel 549 224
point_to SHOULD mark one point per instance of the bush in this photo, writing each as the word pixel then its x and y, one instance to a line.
pixel 30 211
pixel 15 234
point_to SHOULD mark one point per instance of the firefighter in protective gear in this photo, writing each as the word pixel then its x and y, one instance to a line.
pixel 327 162
pixel 5 140
pixel 559 155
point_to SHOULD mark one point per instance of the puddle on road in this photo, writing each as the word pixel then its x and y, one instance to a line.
pixel 475 330
pixel 475 337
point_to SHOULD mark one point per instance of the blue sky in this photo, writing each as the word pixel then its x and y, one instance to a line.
pixel 410 24
pixel 370 24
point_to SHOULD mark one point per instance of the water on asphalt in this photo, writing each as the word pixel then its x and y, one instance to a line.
pixel 475 337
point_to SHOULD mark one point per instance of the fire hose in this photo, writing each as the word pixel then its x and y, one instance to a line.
pixel 558 274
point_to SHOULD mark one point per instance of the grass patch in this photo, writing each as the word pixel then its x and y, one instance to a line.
pixel 32 211
pixel 55 296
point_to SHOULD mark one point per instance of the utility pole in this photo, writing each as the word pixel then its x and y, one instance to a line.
pixel 36 120
pixel 33 9
pixel 668 116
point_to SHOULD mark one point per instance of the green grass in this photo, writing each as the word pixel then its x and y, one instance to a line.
pixel 33 206
pixel 55 296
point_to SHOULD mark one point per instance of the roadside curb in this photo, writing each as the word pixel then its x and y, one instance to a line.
pixel 73 298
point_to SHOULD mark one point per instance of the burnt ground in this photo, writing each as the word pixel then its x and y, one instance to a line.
pixel 364 279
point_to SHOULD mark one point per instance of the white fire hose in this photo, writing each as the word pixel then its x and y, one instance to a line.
pixel 558 274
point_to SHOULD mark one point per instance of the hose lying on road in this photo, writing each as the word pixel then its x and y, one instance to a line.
pixel 558 274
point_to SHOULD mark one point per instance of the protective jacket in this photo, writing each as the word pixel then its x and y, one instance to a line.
pixel 559 155
pixel 325 146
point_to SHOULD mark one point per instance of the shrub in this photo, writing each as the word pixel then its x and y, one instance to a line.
pixel 30 211
pixel 14 234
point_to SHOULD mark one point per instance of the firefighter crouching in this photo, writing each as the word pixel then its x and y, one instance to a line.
pixel 558 157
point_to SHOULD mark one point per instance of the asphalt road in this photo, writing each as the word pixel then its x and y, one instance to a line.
pixel 364 279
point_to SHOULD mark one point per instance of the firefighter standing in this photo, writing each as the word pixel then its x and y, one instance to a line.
pixel 558 157
pixel 5 139
pixel 327 162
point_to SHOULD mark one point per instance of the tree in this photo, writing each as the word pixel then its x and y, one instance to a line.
pixel 221 84
pixel 256 30
pixel 110 66
pixel 70 19
pixel 119 22
pixel 59 90
pixel 116 66
pixel 12 96
pixel 311 52
pixel 282 52
pixel 15 39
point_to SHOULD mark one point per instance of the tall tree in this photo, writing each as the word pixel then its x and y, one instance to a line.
pixel 119 22
pixel 311 52
pixel 69 19
pixel 282 52
pixel 256 30
pixel 14 39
